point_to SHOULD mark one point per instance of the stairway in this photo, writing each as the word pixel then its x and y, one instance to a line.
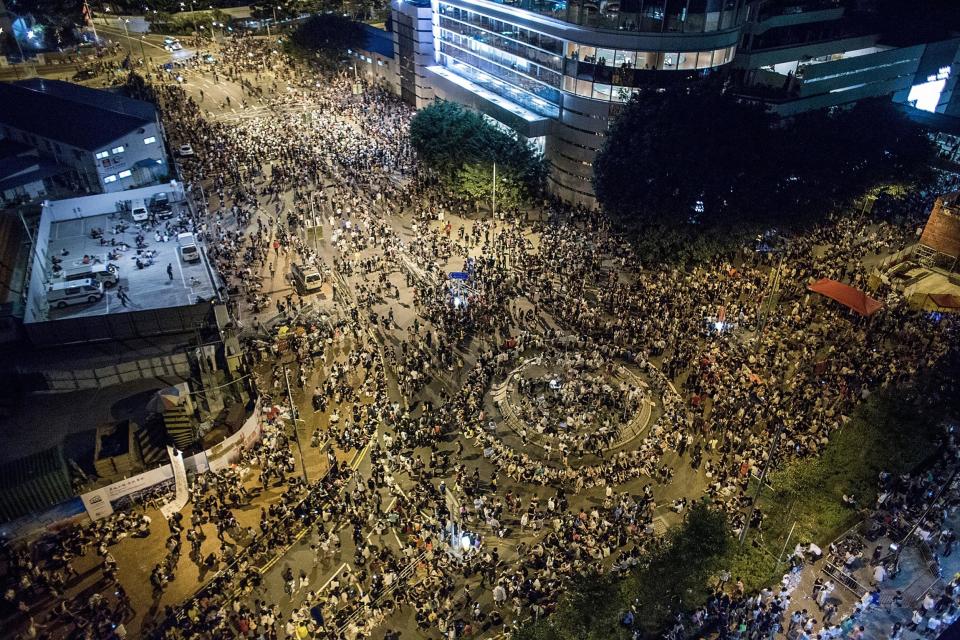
pixel 151 441
pixel 179 424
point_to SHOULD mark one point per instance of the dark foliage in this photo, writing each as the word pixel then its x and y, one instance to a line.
pixel 461 147
pixel 696 160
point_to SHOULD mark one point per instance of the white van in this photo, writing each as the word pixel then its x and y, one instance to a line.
pixel 188 247
pixel 308 277
pixel 63 294
pixel 107 274
pixel 138 211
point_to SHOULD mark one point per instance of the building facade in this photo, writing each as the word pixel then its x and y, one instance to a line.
pixel 105 142
pixel 814 55
pixel 558 71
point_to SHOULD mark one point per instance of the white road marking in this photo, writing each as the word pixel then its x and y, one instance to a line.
pixel 182 278
pixel 330 579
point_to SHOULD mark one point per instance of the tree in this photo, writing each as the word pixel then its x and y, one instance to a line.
pixel 686 155
pixel 475 181
pixel 330 35
pixel 461 147
pixel 696 161
pixel 674 573
pixel 678 571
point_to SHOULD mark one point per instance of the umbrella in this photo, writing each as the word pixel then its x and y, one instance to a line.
pixel 166 399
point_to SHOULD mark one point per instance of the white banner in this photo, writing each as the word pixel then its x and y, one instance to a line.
pixel 227 452
pixel 99 502
pixel 180 481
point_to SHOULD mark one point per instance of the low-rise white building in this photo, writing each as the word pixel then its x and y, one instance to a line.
pixel 106 141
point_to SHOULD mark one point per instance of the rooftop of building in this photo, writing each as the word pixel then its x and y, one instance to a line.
pixel 17 171
pixel 73 114
pixel 378 41
pixel 11 148
pixel 66 241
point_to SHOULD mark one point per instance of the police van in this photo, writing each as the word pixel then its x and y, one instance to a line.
pixel 64 294
pixel 306 276
pixel 107 274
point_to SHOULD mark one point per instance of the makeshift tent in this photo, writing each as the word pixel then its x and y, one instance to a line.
pixel 847 296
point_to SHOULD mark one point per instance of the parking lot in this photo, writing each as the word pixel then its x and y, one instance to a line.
pixel 149 287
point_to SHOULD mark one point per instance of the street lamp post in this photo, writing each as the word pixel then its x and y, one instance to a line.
pixel 274 12
pixel 293 419
pixel 126 31
pixel 313 215
pixel 763 478
pixel 494 191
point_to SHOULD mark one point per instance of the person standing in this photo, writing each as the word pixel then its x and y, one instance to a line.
pixel 170 271
pixel 122 296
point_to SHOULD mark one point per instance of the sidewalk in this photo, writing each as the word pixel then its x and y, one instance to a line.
pixel 914 581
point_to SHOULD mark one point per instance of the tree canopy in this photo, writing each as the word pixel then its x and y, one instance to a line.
pixel 698 157
pixel 673 572
pixel 461 147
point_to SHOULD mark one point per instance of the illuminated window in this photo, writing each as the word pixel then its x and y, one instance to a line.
pixel 109 179
pixel 117 149
pixel 149 140
pixel 124 174
pixel 926 96
pixel 102 155
pixel 667 61
pixel 704 59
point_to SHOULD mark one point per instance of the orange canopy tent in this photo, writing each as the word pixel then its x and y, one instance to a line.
pixel 847 296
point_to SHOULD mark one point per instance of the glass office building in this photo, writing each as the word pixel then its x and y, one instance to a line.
pixel 557 71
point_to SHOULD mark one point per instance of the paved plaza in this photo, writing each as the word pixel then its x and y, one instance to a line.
pixel 455 458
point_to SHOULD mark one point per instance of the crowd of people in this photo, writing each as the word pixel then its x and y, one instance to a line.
pixel 413 393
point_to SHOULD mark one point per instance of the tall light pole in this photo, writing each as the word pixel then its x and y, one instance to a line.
pixel 273 9
pixel 293 418
pixel 126 31
pixel 494 191
pixel 763 478
pixel 89 16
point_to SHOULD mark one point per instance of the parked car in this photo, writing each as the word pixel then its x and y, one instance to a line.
pixel 63 294
pixel 189 252
pixel 160 205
